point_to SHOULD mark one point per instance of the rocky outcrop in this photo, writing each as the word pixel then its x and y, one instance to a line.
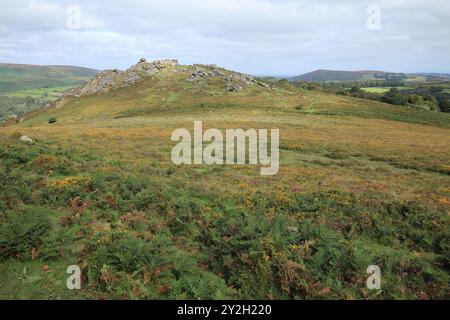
pixel 239 77
pixel 206 72
pixel 145 69
pixel 101 83
pixel 235 81
pixel 112 79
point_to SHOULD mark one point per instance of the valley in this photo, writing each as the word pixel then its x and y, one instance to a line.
pixel 24 88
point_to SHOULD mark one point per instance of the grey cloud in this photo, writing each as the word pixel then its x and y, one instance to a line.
pixel 255 36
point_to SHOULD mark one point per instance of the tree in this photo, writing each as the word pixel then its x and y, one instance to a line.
pixel 415 99
pixel 355 90
pixel 394 96
pixel 444 105
pixel 29 101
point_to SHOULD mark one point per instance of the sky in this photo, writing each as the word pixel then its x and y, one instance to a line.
pixel 260 37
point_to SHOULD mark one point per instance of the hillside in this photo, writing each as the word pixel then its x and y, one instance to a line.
pixel 15 77
pixel 435 75
pixel 333 75
pixel 368 75
pixel 26 87
pixel 360 183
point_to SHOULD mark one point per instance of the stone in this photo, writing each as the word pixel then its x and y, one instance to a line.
pixel 131 79
pixel 233 87
pixel 26 139
pixel 262 84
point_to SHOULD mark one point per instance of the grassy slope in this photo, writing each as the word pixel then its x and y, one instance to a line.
pixel 360 183
pixel 15 77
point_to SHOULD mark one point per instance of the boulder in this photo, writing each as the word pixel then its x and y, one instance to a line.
pixel 246 79
pixel 26 139
pixel 233 87
pixel 131 79
pixel 144 68
pixel 198 74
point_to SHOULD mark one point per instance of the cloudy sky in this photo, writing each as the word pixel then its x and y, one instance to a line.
pixel 263 37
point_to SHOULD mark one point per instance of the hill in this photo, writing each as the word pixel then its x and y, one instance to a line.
pixel 26 87
pixel 360 183
pixel 368 75
pixel 14 77
pixel 333 75
pixel 435 75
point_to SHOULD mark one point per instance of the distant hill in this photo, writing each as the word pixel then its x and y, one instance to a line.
pixel 434 75
pixel 333 75
pixel 15 77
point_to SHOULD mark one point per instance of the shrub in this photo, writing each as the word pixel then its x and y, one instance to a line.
pixel 394 96
pixel 188 281
pixel 22 232
pixel 45 163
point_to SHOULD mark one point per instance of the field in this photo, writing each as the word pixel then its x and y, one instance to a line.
pixel 383 89
pixel 16 103
pixel 361 183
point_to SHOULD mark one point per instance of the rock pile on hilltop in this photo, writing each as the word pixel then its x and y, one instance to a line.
pixel 112 79
pixel 144 69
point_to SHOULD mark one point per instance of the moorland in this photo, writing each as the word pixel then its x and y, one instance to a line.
pixel 361 182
